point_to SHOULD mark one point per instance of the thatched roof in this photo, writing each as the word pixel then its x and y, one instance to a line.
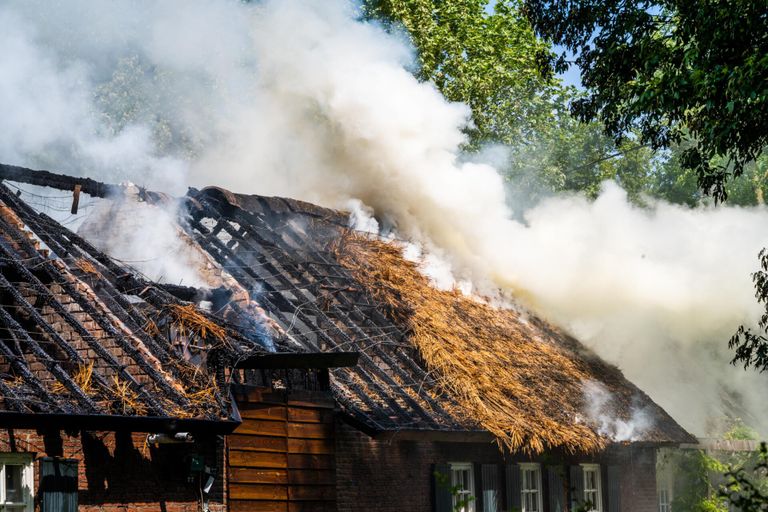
pixel 431 360
pixel 510 372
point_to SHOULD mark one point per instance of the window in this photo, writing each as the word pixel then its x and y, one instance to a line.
pixel 463 483
pixel 16 482
pixel 489 480
pixel 58 485
pixel 664 505
pixel 592 490
pixel 530 487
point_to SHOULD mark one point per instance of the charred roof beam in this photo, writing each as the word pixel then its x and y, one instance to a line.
pixel 58 181
pixel 298 311
pixel 303 276
pixel 53 367
pixel 92 342
pixel 97 317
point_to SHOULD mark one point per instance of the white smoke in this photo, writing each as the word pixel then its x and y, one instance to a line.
pixel 601 409
pixel 298 98
pixel 147 237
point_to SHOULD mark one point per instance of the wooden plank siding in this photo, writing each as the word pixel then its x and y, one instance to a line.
pixel 281 458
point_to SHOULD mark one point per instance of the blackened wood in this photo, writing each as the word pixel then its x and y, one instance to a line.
pixel 76 198
pixel 59 181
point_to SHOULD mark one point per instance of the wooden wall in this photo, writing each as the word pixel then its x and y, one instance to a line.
pixel 281 458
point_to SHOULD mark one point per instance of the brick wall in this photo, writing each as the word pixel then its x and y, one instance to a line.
pixel 118 472
pixel 396 475
pixel 638 478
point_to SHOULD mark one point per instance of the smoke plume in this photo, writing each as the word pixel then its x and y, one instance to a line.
pixel 300 98
pixel 601 411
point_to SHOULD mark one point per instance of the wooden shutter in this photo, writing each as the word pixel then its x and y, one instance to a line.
pixel 513 487
pixel 613 489
pixel 576 486
pixel 58 485
pixel 441 486
pixel 557 488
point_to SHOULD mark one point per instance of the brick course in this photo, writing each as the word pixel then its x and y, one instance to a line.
pixel 396 476
pixel 118 472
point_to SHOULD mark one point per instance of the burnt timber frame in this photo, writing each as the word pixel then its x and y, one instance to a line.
pixel 304 288
pixel 302 282
pixel 25 268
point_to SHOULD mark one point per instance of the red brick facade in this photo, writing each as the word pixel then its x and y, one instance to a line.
pixel 119 472
pixel 396 475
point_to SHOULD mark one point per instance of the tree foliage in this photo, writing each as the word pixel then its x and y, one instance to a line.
pixel 671 71
pixel 567 155
pixel 487 57
pixel 746 488
pixel 752 348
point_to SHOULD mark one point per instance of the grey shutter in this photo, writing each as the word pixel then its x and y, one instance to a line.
pixel 58 485
pixel 513 487
pixel 491 494
pixel 612 484
pixel 576 485
pixel 557 488
pixel 441 486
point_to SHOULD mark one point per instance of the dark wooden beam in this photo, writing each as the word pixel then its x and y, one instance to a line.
pixel 107 422
pixel 303 360
pixel 448 436
pixel 59 181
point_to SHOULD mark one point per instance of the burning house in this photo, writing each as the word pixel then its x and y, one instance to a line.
pixel 316 369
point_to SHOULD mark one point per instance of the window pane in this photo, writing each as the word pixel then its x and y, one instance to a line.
pixel 490 482
pixel 13 487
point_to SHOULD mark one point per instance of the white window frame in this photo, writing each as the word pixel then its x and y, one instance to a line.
pixel 665 489
pixel 464 493
pixel 665 504
pixel 525 491
pixel 27 480
pixel 593 468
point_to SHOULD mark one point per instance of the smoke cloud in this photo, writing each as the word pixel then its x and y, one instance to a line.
pixel 601 411
pixel 299 98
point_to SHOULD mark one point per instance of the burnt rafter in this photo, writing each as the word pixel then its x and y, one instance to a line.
pixel 300 309
pixel 93 343
pixel 71 342
pixel 59 181
pixel 341 307
pixel 93 313
pixel 304 287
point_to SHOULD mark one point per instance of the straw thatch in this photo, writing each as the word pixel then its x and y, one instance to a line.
pixel 190 321
pixel 520 387
pixel 430 361
pixel 82 377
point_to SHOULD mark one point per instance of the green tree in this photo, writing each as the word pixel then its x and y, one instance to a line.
pixel 672 181
pixel 482 53
pixel 672 71
pixel 567 155
pixel 486 54
pixel 746 487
